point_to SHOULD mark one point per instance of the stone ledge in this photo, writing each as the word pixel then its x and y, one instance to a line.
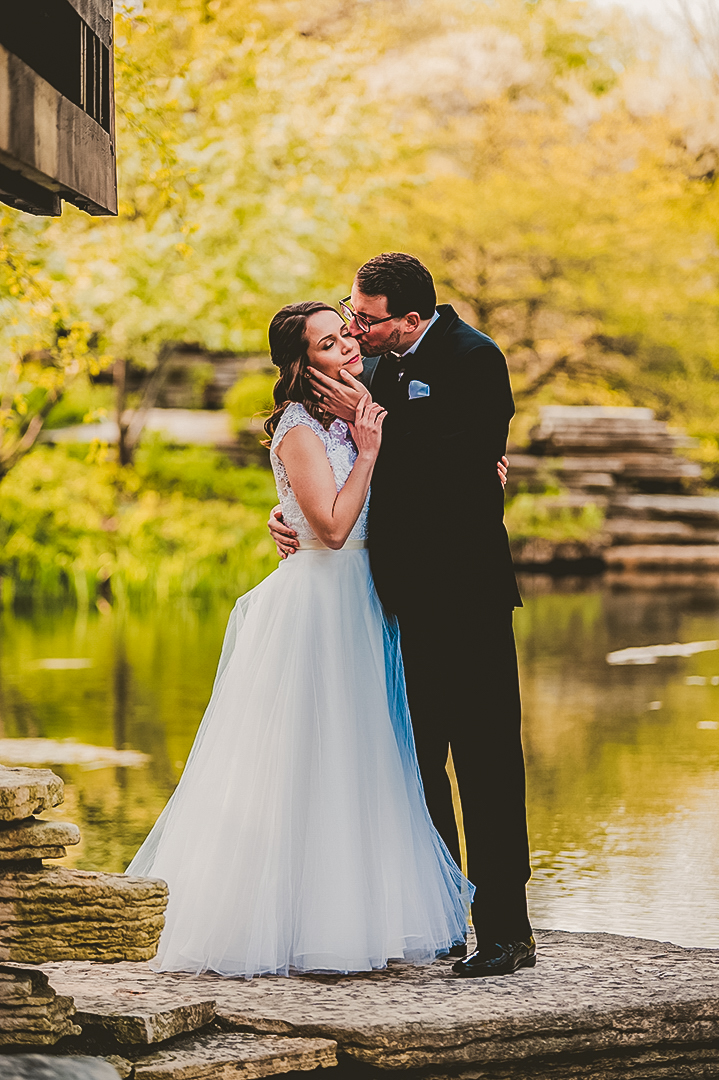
pixel 237 1055
pixel 591 996
pixel 143 1027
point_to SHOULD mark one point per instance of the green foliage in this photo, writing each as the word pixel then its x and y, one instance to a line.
pixel 44 342
pixel 70 527
pixel 538 516
pixel 82 402
pixel 200 473
pixel 250 398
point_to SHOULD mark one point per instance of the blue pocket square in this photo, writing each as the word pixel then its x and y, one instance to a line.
pixel 418 389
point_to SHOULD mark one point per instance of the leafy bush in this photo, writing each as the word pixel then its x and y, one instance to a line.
pixel 201 473
pixel 82 399
pixel 250 397
pixel 92 530
pixel 543 517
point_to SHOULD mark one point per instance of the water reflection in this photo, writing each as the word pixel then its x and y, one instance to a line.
pixel 623 784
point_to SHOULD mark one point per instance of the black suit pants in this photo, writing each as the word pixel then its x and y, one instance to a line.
pixel 463 690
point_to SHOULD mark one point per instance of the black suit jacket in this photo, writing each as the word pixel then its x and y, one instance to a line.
pixel 436 527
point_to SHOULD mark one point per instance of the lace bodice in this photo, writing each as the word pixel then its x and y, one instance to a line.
pixel 341 454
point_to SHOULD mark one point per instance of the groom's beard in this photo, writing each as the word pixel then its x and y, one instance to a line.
pixel 391 342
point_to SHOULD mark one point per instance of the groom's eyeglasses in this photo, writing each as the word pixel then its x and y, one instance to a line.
pixel 365 324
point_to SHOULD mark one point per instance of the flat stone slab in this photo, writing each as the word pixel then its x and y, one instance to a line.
pixel 24 792
pixel 133 1013
pixel 590 994
pixel 235 1055
pixel 40 1067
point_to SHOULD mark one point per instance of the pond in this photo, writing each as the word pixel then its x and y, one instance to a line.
pixel 623 761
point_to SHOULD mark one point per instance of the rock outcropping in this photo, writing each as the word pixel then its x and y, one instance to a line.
pixel 61 914
pixel 31 1012
pixel 54 913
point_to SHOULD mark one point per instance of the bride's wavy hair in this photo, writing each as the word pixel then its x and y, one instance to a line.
pixel 288 352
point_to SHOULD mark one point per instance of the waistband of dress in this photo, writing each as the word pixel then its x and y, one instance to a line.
pixel 317 545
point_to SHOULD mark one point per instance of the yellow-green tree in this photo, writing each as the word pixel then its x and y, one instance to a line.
pixel 43 341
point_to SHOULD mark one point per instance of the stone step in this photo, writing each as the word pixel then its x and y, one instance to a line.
pixel 635 556
pixel 638 531
pixel 236 1055
pixel 702 509
pixel 136 1008
pixel 629 466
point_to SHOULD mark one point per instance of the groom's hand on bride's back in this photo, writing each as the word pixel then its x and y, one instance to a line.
pixel 341 398
pixel 284 537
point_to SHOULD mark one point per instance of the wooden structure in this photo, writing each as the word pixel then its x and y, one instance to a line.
pixel 57 130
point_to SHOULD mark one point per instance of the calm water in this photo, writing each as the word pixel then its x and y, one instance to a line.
pixel 623 783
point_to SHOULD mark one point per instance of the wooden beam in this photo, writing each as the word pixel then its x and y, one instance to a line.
pixel 52 143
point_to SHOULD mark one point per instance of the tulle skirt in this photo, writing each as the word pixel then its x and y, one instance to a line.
pixel 298 838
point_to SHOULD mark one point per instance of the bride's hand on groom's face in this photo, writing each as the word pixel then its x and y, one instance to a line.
pixel 341 398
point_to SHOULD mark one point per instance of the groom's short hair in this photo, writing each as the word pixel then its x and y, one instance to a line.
pixel 403 279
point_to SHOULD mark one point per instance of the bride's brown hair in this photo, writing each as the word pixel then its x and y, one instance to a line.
pixel 288 351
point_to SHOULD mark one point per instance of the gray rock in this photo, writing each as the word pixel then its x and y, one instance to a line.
pixel 34 838
pixel 222 1057
pixel 24 792
pixel 39 1067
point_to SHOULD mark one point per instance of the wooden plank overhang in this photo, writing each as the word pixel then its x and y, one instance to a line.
pixel 57 115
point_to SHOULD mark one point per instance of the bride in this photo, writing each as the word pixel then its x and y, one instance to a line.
pixel 298 838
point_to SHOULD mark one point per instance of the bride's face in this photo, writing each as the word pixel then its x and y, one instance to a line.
pixel 329 345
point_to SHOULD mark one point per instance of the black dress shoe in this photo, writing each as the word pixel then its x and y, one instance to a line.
pixel 501 958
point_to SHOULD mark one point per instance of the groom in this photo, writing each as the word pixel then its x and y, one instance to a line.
pixel 446 390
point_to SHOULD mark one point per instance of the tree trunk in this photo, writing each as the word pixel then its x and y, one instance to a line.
pixel 131 430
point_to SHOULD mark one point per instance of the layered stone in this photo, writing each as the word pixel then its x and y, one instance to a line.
pixel 24 792
pixel 236 1055
pixel 79 915
pixel 596 1005
pixel 34 838
pixel 31 1012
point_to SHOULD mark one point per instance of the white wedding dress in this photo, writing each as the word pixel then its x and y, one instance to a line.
pixel 298 838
